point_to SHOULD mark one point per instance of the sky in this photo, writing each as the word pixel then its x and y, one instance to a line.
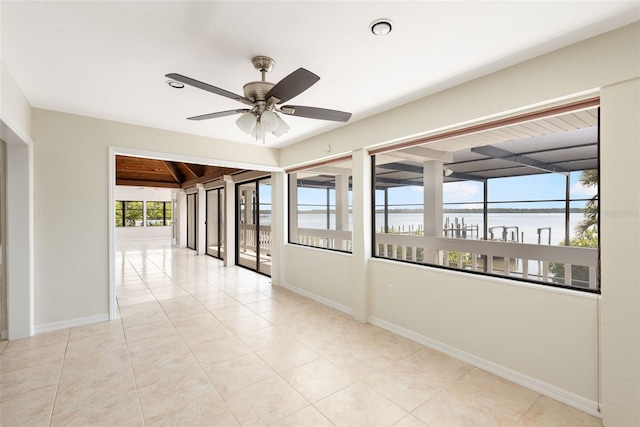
pixel 468 194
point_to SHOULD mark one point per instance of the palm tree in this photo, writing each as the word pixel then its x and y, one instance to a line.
pixel 589 178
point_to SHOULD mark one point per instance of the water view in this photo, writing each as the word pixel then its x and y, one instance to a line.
pixel 527 223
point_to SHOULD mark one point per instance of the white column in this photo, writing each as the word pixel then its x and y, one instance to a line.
pixel 229 222
pixel 293 206
pixel 201 219
pixel 19 241
pixel 342 206
pixel 361 233
pixel 433 180
pixel 278 226
pixel 181 218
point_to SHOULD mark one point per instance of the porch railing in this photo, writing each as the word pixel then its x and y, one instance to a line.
pixel 247 238
pixel 505 258
pixel 327 239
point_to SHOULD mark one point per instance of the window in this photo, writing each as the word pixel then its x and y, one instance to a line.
pixel 320 206
pixel 158 213
pixel 518 201
pixel 129 213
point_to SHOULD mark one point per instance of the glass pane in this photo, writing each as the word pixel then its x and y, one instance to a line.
pixel 321 207
pixel 222 203
pixel 133 214
pixel 264 235
pixel 247 222
pixel 155 214
pixel 191 221
pixel 213 234
pixel 544 186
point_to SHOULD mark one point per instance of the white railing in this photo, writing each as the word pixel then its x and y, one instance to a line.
pixel 506 258
pixel 247 238
pixel 328 239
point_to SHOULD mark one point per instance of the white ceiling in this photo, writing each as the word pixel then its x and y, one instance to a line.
pixel 108 59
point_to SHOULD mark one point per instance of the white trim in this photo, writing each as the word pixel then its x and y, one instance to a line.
pixel 506 281
pixel 317 248
pixel 112 233
pixel 320 299
pixel 192 159
pixel 549 390
pixel 65 324
pixel 11 134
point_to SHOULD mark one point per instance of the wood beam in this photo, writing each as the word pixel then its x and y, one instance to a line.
pixel 174 171
pixel 190 174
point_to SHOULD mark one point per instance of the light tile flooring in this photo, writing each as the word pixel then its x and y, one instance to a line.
pixel 197 344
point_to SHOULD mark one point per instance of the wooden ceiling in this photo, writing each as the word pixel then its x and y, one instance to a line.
pixel 141 172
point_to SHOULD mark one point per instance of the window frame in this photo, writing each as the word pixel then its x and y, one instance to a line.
pixel 568 203
pixel 123 209
pixel 165 222
pixel 324 234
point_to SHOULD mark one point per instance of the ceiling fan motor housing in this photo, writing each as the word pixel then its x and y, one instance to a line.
pixel 257 91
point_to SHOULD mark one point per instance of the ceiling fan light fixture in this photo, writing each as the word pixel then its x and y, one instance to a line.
pixel 381 27
pixel 258 132
pixel 269 121
pixel 247 122
pixel 282 128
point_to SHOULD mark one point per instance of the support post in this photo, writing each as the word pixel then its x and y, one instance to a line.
pixel 229 222
pixel 361 233
pixel 342 206
pixel 432 184
pixel 201 218
pixel 293 207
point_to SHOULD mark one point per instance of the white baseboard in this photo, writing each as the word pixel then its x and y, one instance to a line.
pixel 549 390
pixel 320 299
pixel 56 326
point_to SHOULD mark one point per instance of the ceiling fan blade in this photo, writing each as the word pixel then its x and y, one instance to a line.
pixel 219 114
pixel 315 113
pixel 292 85
pixel 204 86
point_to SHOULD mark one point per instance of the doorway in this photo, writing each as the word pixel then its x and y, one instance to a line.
pixel 253 230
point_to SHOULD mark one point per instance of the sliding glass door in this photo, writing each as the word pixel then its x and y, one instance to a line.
pixel 192 204
pixel 254 225
pixel 215 222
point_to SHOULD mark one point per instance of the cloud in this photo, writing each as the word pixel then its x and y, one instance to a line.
pixel 578 189
pixel 462 191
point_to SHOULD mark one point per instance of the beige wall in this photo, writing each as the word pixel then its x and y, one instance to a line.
pixel 71 155
pixel 550 337
pixel 544 334
pixel 323 273
pixel 620 252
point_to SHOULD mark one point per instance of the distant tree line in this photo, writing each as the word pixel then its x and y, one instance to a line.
pixel 472 210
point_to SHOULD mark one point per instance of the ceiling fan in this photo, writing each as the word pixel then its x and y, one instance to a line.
pixel 265 99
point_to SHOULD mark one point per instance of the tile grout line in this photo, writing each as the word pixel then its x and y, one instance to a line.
pixel 126 341
pixel 192 354
pixel 55 394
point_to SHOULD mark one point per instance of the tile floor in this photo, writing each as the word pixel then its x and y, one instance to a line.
pixel 197 344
